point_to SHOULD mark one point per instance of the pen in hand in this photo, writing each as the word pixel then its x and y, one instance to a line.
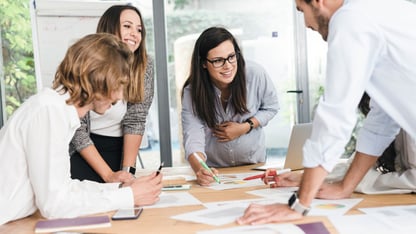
pixel 204 165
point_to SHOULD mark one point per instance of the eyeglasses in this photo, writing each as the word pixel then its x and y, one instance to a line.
pixel 219 62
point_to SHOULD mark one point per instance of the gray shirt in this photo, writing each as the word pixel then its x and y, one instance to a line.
pixel 250 148
pixel 133 122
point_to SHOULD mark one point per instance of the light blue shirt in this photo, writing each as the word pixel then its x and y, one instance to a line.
pixel 371 47
pixel 250 148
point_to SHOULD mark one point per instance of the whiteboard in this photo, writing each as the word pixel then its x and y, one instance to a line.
pixel 56 25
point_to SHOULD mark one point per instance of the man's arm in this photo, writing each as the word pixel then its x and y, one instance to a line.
pixel 343 189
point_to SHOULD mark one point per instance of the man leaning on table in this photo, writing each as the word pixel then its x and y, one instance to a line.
pixel 34 159
pixel 370 48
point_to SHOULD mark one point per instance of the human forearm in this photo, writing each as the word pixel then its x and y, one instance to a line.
pixel 95 160
pixel 311 181
pixel 357 170
pixel 131 148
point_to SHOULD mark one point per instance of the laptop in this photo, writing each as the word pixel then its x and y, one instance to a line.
pixel 294 157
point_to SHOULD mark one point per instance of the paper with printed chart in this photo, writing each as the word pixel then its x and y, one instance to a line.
pixel 232 181
pixel 319 207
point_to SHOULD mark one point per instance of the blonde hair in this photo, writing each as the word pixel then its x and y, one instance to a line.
pixel 93 68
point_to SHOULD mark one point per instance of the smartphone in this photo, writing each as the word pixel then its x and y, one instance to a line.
pixel 124 214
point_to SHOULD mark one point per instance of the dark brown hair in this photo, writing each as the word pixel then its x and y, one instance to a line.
pixel 110 23
pixel 202 89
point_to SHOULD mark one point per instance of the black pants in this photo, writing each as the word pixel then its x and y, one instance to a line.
pixel 110 149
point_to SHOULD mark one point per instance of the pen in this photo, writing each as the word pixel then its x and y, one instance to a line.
pixel 160 168
pixel 206 167
pixel 272 173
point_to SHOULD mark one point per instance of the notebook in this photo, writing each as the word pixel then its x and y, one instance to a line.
pixel 56 225
pixel 294 157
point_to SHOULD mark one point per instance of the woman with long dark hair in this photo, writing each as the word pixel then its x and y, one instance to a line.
pixel 226 102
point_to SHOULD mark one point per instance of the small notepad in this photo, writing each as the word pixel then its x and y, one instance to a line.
pixel 54 225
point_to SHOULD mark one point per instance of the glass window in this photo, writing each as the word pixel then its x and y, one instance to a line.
pixel 17 72
pixel 265 33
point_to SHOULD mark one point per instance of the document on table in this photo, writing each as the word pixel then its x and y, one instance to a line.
pixel 246 202
pixel 319 207
pixel 232 181
pixel 304 228
pixel 169 199
pixel 400 218
pixel 215 216
pixel 371 223
pixel 258 229
pixel 272 192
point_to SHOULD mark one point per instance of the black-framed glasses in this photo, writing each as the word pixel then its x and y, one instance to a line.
pixel 219 62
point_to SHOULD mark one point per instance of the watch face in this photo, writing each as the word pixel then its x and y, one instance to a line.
pixel 292 199
pixel 132 170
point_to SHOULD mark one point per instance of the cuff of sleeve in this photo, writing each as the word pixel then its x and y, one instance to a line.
pixel 372 144
pixel 124 197
pixel 312 157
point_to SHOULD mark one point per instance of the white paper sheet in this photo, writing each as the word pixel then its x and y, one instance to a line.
pixel 369 223
pixel 319 207
pixel 400 218
pixel 258 229
pixel 272 192
pixel 232 181
pixel 169 199
pixel 215 216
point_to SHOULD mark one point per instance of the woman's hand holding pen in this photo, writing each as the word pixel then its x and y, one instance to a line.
pixel 290 179
pixel 204 177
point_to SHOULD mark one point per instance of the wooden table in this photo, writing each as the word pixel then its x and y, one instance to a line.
pixel 158 220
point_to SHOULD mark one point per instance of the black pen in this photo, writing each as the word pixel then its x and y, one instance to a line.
pixel 160 168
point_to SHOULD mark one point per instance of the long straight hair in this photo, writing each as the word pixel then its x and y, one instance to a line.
pixel 202 89
pixel 110 23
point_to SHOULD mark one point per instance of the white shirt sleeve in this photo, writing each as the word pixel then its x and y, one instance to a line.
pixel 377 132
pixel 354 45
pixel 48 165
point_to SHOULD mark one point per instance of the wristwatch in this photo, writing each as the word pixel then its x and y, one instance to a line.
pixel 250 123
pixel 132 170
pixel 295 205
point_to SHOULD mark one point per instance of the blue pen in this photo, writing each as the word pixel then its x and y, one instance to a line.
pixel 206 167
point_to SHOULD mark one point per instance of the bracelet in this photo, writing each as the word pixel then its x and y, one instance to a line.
pixel 251 125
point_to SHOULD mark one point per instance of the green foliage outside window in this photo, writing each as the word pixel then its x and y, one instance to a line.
pixel 18 62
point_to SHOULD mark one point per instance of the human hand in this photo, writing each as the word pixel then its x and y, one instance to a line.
pixel 334 190
pixel 261 214
pixel 204 177
pixel 119 176
pixel 288 179
pixel 229 131
pixel 146 189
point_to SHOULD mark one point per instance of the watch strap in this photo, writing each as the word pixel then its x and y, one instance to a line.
pixel 295 205
pixel 250 122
